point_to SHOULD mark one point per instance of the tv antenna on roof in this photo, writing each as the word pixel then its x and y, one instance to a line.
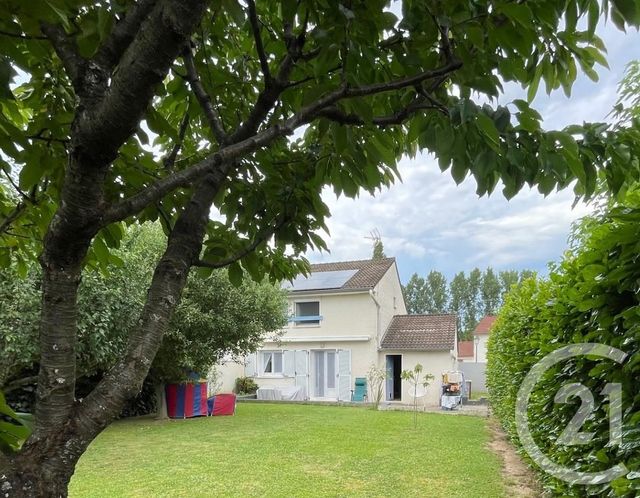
pixel 374 235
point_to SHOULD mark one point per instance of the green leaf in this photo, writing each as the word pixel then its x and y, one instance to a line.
pixel 235 274
pixel 235 10
pixel 628 9
pixel 535 82
pixel 61 15
pixel 101 251
pixel 30 174
pixel 488 128
pixel 158 124
pixel 519 12
pixel 13 429
pixel 340 137
pixel 459 171
pixel 594 15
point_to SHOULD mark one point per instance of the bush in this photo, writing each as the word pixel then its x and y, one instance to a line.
pixel 245 385
pixel 591 296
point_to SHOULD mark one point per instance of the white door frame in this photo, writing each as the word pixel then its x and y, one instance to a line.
pixel 392 381
pixel 328 392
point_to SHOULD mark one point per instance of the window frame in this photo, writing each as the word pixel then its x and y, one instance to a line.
pixel 264 361
pixel 296 319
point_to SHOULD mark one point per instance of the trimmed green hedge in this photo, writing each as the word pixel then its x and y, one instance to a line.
pixel 591 296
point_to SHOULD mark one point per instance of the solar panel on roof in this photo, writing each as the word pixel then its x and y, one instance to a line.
pixel 321 280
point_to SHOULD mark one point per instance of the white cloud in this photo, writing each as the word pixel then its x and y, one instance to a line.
pixel 427 222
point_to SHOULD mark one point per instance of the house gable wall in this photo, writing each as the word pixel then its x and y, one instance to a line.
pixel 388 293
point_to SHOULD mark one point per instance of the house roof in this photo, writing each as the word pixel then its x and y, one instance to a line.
pixel 484 326
pixel 421 333
pixel 465 349
pixel 368 272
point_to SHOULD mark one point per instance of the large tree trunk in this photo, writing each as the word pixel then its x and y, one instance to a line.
pixel 45 466
pixel 111 104
pixel 161 402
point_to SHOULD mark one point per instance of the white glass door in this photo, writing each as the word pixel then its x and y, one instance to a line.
pixel 324 373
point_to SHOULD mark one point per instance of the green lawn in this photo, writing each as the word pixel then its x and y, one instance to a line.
pixel 293 450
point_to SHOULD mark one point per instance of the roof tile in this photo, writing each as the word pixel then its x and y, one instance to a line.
pixel 484 326
pixel 421 333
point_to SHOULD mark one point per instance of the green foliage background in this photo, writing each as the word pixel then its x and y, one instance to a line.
pixel 592 296
pixel 214 318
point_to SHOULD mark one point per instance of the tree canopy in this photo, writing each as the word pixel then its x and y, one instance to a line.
pixel 122 112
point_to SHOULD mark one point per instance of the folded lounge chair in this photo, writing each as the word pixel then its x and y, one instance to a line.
pixel 222 404
pixel 359 394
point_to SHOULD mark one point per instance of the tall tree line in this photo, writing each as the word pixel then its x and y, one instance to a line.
pixel 470 296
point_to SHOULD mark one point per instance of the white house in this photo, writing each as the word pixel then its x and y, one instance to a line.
pixel 481 337
pixel 472 355
pixel 345 317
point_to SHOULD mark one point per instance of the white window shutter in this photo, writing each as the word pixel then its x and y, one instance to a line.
pixel 302 370
pixel 344 375
pixel 250 366
pixel 289 367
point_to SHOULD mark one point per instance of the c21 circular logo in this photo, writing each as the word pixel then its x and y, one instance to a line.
pixel 571 435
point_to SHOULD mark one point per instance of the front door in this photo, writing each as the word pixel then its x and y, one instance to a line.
pixel 394 377
pixel 324 373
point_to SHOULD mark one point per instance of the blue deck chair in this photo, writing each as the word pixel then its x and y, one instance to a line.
pixel 359 394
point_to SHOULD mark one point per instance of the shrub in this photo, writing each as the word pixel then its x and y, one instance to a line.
pixel 376 377
pixel 245 385
pixel 591 296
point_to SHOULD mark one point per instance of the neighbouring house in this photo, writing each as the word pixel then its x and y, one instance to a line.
pixel 345 317
pixel 481 337
pixel 466 351
pixel 472 355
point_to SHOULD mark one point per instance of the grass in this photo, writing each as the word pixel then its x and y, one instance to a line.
pixel 479 394
pixel 293 450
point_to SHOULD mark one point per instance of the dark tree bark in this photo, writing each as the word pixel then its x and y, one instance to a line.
pixel 142 48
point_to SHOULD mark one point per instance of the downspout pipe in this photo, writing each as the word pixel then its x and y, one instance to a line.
pixel 375 300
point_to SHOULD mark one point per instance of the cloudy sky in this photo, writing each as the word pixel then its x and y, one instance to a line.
pixel 427 222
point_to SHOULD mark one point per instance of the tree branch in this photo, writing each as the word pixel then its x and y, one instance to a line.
pixel 49 139
pixel 123 33
pixel 22 36
pixel 232 152
pixel 397 118
pixel 262 237
pixel 74 64
pixel 255 27
pixel 16 384
pixel 19 191
pixel 210 113
pixel 170 160
pixel 274 86
pixel 112 118
pixel 12 216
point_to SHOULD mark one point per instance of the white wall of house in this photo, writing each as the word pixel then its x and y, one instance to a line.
pixel 229 371
pixel 388 294
pixel 433 362
pixel 482 348
pixel 343 314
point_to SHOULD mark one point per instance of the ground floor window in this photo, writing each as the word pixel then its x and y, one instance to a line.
pixel 272 362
